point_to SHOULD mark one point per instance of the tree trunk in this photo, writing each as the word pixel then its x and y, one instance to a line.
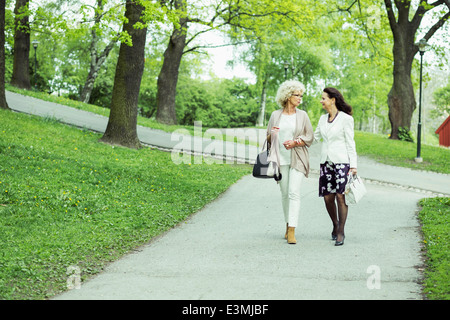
pixel 260 120
pixel 121 129
pixel 96 60
pixel 168 77
pixel 96 64
pixel 3 103
pixel 401 99
pixel 21 73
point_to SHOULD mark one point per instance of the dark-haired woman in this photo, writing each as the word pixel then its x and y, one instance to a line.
pixel 338 157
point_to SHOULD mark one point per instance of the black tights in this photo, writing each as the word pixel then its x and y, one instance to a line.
pixel 338 218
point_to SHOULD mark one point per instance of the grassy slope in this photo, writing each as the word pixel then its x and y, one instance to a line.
pixel 435 218
pixel 66 199
pixel 401 153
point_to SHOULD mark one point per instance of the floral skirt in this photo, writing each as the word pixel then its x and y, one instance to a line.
pixel 333 178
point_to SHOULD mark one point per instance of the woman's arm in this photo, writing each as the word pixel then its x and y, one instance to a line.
pixel 349 135
pixel 317 133
pixel 306 138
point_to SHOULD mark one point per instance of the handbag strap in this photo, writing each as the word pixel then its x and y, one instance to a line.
pixel 350 178
pixel 274 143
pixel 353 177
pixel 265 146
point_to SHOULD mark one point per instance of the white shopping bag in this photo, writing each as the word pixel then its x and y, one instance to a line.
pixel 354 190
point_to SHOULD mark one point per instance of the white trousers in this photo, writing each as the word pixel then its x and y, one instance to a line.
pixel 290 194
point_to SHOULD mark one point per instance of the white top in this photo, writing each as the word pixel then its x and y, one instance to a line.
pixel 338 144
pixel 327 127
pixel 287 129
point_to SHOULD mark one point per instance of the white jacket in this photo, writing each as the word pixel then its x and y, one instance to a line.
pixel 338 139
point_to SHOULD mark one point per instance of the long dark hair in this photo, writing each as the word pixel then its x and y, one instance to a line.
pixel 340 102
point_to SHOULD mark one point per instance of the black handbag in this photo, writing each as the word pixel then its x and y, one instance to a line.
pixel 265 169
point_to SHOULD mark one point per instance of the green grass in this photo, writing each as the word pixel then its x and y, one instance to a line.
pixel 435 218
pixel 68 200
pixel 402 153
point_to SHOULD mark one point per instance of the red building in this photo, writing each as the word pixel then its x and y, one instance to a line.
pixel 444 133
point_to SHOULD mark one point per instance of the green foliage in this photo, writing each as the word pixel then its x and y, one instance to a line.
pixel 435 218
pixel 68 200
pixel 442 100
pixel 326 43
pixel 216 103
pixel 361 42
pixel 405 135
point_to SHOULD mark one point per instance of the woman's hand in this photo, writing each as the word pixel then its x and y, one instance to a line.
pixel 353 171
pixel 289 144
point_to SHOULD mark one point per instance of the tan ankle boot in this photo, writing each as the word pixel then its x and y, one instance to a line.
pixel 287 227
pixel 291 235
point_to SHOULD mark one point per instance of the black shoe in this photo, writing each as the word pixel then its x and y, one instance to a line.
pixel 340 243
pixel 334 232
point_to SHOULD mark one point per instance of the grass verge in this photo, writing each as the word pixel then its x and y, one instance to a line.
pixel 68 200
pixel 435 219
pixel 402 153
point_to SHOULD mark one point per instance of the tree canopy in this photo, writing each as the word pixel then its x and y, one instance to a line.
pixel 348 44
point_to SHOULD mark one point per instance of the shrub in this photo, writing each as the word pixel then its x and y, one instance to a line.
pixel 404 134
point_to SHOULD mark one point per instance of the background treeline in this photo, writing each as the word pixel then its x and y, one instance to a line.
pixel 344 44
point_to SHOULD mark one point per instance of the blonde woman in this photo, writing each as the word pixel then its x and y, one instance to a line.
pixel 295 134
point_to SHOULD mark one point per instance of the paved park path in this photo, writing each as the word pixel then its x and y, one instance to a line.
pixel 234 247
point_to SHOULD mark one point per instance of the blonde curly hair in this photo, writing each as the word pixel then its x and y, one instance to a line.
pixel 286 90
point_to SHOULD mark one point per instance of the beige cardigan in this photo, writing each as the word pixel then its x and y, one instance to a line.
pixel 303 130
